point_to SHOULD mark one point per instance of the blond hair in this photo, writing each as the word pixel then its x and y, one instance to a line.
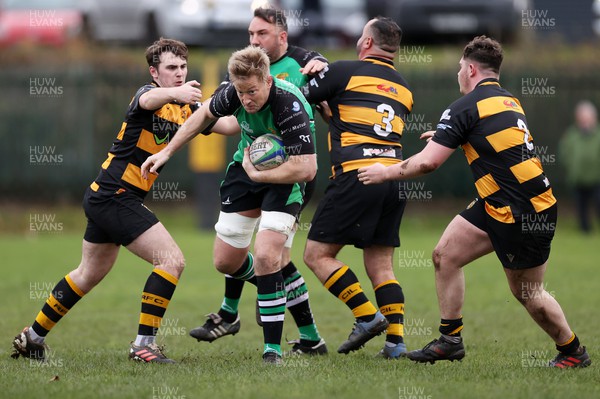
pixel 250 61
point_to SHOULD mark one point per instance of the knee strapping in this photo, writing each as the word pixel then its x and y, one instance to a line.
pixel 279 222
pixel 235 229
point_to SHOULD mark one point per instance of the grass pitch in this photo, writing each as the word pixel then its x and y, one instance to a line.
pixel 506 351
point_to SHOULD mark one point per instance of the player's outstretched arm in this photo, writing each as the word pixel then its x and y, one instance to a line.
pixel 426 161
pixel 188 93
pixel 297 169
pixel 227 126
pixel 194 125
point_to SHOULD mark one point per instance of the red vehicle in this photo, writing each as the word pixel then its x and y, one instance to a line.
pixel 48 22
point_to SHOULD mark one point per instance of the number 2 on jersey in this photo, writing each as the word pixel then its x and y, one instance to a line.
pixel 521 125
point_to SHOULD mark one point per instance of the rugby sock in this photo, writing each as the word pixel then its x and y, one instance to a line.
pixel 157 293
pixel 246 271
pixel 234 286
pixel 570 346
pixel 451 327
pixel 271 302
pixel 344 284
pixel 231 300
pixel 63 297
pixel 390 300
pixel 298 305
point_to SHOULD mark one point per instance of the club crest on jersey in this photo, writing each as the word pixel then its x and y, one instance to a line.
pixel 387 89
pixel 282 75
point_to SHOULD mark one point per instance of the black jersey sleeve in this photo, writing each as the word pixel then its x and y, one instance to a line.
pixel 453 128
pixel 324 84
pixel 303 56
pixel 294 123
pixel 208 130
pixel 225 101
pixel 134 105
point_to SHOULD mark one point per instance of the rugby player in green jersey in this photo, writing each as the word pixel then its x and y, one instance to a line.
pixel 268 30
pixel 261 104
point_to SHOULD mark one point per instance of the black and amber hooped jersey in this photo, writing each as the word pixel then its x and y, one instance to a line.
pixel 369 102
pixel 144 133
pixel 490 125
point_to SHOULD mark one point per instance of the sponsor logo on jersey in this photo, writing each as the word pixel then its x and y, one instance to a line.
pixel 161 141
pixel 510 104
pixel 296 106
pixel 387 89
pixel 379 152
pixel 282 75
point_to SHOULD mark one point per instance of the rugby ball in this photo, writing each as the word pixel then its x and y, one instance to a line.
pixel 267 152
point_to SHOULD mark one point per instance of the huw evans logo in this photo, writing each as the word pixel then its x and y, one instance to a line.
pixel 537 19
pixel 44 155
pixel 45 87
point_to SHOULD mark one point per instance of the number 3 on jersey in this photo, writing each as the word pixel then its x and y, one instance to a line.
pixel 386 127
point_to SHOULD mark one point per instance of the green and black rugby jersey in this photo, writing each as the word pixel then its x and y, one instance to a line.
pixel 369 102
pixel 490 125
pixel 143 133
pixel 286 114
pixel 287 68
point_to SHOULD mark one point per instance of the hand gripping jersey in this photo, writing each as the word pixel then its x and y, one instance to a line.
pixel 288 66
pixel 491 127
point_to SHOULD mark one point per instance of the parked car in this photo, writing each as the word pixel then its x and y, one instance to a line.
pixel 444 20
pixel 48 22
pixel 210 23
pixel 324 22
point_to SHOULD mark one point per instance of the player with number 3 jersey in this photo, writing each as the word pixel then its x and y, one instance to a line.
pixel 369 102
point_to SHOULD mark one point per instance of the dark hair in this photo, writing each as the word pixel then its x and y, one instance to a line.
pixel 386 34
pixel 486 51
pixel 273 16
pixel 162 45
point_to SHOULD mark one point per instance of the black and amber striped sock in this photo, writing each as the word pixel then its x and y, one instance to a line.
pixel 570 346
pixel 157 294
pixel 451 327
pixel 344 284
pixel 390 300
pixel 63 297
